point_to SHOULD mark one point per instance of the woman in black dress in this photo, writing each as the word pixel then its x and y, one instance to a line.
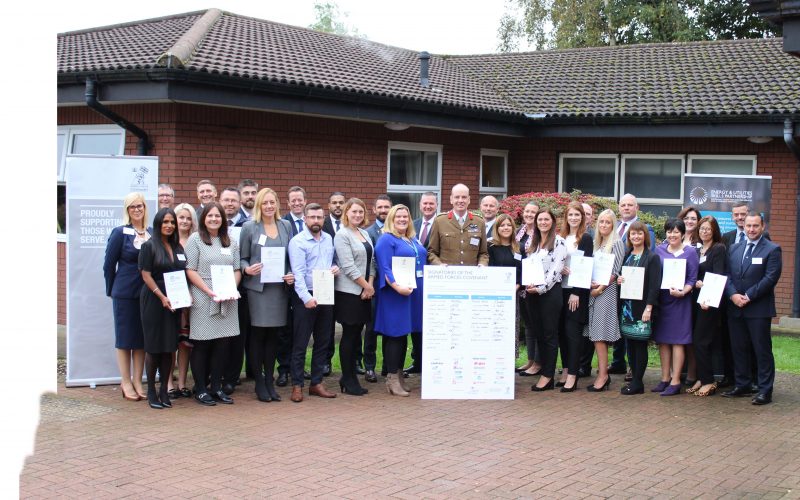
pixel 160 321
pixel 713 259
pixel 504 252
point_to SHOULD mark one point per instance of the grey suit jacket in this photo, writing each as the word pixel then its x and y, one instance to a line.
pixel 352 260
pixel 250 250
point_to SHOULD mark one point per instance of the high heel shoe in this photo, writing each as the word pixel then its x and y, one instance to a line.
pixel 154 402
pixel 352 390
pixel 262 394
pixel 605 386
pixel 129 398
pixel 560 384
pixel 546 387
pixel 528 374
pixel 564 387
pixel 165 401
pixel 629 391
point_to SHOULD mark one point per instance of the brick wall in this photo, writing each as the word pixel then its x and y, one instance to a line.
pixel 322 155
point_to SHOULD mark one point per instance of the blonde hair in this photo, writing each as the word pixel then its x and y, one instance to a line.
pixel 260 199
pixel 350 203
pixel 129 200
pixel 192 215
pixel 389 228
pixel 608 244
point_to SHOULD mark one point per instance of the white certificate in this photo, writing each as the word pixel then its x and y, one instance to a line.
pixel 603 267
pixel 580 271
pixel 633 285
pixel 323 286
pixel 273 261
pixel 234 233
pixel 177 289
pixel 713 286
pixel 532 270
pixel 404 271
pixel 674 274
pixel 223 282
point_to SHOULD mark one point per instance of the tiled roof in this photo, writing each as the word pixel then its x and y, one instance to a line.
pixel 744 77
pixel 739 77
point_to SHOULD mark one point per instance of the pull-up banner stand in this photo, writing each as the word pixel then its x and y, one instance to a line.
pixel 96 186
pixel 716 194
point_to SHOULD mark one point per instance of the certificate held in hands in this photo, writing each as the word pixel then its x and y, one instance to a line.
pixel 580 271
pixel 674 274
pixel 632 287
pixel 223 282
pixel 273 261
pixel 404 271
pixel 177 289
pixel 532 271
pixel 603 267
pixel 323 287
pixel 711 292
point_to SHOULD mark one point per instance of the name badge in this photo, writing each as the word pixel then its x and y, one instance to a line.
pixel 490 238
pixel 757 260
pixel 225 251
pixel 702 259
pixel 517 257
pixel 262 240
pixel 699 245
pixel 128 230
pixel 678 253
pixel 474 241
pixel 419 274
pixel 180 257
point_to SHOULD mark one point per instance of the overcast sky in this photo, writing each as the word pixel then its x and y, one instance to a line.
pixel 438 26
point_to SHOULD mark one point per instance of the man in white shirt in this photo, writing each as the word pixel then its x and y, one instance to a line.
pixel 296 199
pixel 333 222
pixel 489 208
pixel 206 193
pixel 423 225
pixel 248 189
pixel 166 196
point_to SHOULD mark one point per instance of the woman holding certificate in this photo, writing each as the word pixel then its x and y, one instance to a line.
pixel 713 259
pixel 160 320
pixel 673 327
pixel 123 285
pixel 504 252
pixel 523 237
pixel 546 255
pixel 187 224
pixel 212 265
pixel 636 318
pixel 574 314
pixel 264 240
pixel 603 325
pixel 353 289
pixel 399 310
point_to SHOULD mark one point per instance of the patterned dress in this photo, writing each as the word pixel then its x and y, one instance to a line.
pixel 211 320
pixel 603 325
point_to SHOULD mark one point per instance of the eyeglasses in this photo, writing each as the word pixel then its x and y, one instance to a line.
pixel 166 196
pixel 136 207
pixel 705 229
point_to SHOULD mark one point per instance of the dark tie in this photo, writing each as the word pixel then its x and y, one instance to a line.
pixel 741 237
pixel 299 225
pixel 747 256
pixel 424 232
pixel 337 225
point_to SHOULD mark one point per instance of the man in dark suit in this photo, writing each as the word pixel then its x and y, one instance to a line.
pixel 381 209
pixel 489 208
pixel 428 204
pixel 332 225
pixel 738 213
pixel 206 193
pixel 754 269
pixel 296 200
pixel 248 189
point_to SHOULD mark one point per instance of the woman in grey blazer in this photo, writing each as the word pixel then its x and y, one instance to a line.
pixel 353 289
pixel 268 302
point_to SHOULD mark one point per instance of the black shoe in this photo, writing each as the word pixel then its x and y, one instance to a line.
pixel 384 372
pixel 204 398
pixel 273 394
pixel 228 389
pixel 223 398
pixel 283 379
pixel 725 382
pixel 564 387
pixel 738 392
pixel 370 376
pixel 560 384
pixel 547 387
pixel 327 370
pixel 412 369
pixel 526 374
pixel 628 391
pixel 762 399
pixel 261 392
pixel 592 388
pixel 754 388
pixel 165 402
pixel 617 370
pixel 306 375
pixel 360 369
pixel 352 388
pixel 154 402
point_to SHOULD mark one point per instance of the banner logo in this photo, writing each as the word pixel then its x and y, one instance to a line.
pixel 698 195
pixel 138 181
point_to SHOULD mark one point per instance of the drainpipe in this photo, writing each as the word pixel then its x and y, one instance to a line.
pixel 91 101
pixel 788 138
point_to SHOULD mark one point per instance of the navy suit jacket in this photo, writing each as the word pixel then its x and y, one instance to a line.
pixel 418 229
pixel 729 238
pixel 121 265
pixel 757 281
pixel 327 226
pixel 374 233
pixel 288 217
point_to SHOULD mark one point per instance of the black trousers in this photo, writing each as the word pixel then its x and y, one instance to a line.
pixel 371 341
pixel 570 337
pixel 394 349
pixel 348 348
pixel 747 333
pixel 706 328
pixel 416 349
pixel 544 312
pixel 317 321
pixel 238 345
pixel 618 356
pixel 530 333
pixel 208 357
pixel 285 337
pixel 587 353
pixel 637 357
pixel 262 346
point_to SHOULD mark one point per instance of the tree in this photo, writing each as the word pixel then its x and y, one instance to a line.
pixel 590 23
pixel 328 20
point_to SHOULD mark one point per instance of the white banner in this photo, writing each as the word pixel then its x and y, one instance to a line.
pixel 468 332
pixel 96 186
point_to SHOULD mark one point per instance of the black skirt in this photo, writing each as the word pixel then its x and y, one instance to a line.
pixel 349 309
pixel 159 325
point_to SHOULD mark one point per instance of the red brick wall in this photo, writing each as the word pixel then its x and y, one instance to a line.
pixel 322 155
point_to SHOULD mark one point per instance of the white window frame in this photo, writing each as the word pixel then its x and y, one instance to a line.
pixel 653 201
pixel 69 132
pixel 409 188
pixel 502 191
pixel 615 156
pixel 753 158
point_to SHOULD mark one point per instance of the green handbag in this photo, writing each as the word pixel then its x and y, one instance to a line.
pixel 638 330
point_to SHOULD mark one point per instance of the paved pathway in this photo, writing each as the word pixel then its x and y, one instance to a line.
pixel 94 444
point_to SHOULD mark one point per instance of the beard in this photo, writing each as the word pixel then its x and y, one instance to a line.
pixel 315 228
pixel 249 204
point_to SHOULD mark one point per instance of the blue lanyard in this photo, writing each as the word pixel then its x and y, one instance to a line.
pixel 413 247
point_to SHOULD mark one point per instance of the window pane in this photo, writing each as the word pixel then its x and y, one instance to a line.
pixel 589 175
pixel 59 152
pixel 659 210
pixel 722 166
pixel 413 168
pixel 494 172
pixel 61 208
pixel 653 177
pixel 95 144
pixel 411 200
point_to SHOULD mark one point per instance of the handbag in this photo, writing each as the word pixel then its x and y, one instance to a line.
pixel 638 330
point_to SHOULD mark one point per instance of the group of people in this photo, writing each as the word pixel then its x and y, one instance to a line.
pixel 271 323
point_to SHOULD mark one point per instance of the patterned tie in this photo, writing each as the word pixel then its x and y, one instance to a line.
pixel 622 228
pixel 741 237
pixel 747 256
pixel 424 232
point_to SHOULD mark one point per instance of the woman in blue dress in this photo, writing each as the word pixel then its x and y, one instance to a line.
pixel 399 310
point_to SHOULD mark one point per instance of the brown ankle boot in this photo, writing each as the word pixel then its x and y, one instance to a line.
pixel 402 379
pixel 393 385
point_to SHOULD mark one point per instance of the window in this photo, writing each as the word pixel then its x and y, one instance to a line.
pixel 412 170
pixel 722 165
pixel 494 172
pixel 657 181
pixel 82 139
pixel 595 174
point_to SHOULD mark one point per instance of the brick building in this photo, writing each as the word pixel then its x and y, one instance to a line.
pixel 219 96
